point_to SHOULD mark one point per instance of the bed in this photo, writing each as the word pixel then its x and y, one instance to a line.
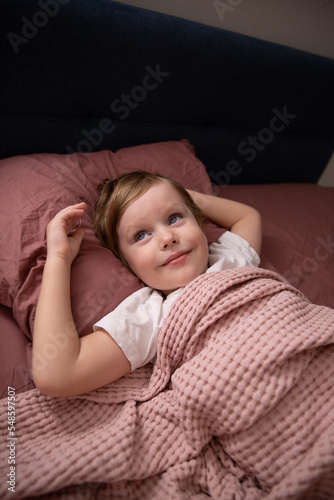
pixel 89 90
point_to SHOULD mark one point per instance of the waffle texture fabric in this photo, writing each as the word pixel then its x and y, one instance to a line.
pixel 239 404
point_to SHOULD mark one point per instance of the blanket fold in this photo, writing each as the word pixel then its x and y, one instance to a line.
pixel 239 404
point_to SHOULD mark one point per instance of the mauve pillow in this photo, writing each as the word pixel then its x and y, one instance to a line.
pixel 35 187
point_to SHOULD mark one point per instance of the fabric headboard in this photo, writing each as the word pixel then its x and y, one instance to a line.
pixel 88 75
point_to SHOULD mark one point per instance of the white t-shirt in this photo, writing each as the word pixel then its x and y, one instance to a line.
pixel 136 322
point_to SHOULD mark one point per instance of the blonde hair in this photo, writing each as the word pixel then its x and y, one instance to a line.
pixel 116 195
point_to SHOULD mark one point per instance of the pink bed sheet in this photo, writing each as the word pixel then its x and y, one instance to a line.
pixel 298 243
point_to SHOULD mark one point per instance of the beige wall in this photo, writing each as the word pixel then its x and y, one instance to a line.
pixel 303 24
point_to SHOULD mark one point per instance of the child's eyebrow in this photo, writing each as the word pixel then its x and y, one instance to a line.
pixel 134 228
pixel 176 207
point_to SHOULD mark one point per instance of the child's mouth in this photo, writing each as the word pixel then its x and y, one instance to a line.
pixel 177 258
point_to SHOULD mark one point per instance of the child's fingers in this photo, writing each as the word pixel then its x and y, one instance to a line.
pixel 68 217
pixel 78 235
pixel 81 206
pixel 72 212
pixel 77 209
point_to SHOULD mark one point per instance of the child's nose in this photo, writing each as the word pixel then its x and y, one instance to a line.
pixel 167 238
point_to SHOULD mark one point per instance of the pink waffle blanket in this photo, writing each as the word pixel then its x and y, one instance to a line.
pixel 238 405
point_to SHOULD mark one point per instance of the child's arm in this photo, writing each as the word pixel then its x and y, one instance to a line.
pixel 63 364
pixel 240 219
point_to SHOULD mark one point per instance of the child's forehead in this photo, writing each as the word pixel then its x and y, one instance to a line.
pixel 161 197
pixel 159 193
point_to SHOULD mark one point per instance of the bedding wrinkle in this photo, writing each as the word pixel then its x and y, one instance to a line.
pixel 239 404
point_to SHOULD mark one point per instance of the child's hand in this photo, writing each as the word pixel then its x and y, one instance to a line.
pixel 60 242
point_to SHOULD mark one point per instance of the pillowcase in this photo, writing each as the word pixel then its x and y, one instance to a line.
pixel 36 187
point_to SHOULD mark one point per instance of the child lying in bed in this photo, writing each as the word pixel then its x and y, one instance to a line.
pixel 155 227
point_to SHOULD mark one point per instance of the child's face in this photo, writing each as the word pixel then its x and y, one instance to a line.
pixel 161 240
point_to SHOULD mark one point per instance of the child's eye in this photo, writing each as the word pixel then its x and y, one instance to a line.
pixel 141 235
pixel 174 218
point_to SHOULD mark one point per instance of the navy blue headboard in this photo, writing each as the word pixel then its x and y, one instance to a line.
pixel 86 75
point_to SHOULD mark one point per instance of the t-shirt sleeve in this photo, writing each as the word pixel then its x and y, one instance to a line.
pixel 134 325
pixel 231 251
